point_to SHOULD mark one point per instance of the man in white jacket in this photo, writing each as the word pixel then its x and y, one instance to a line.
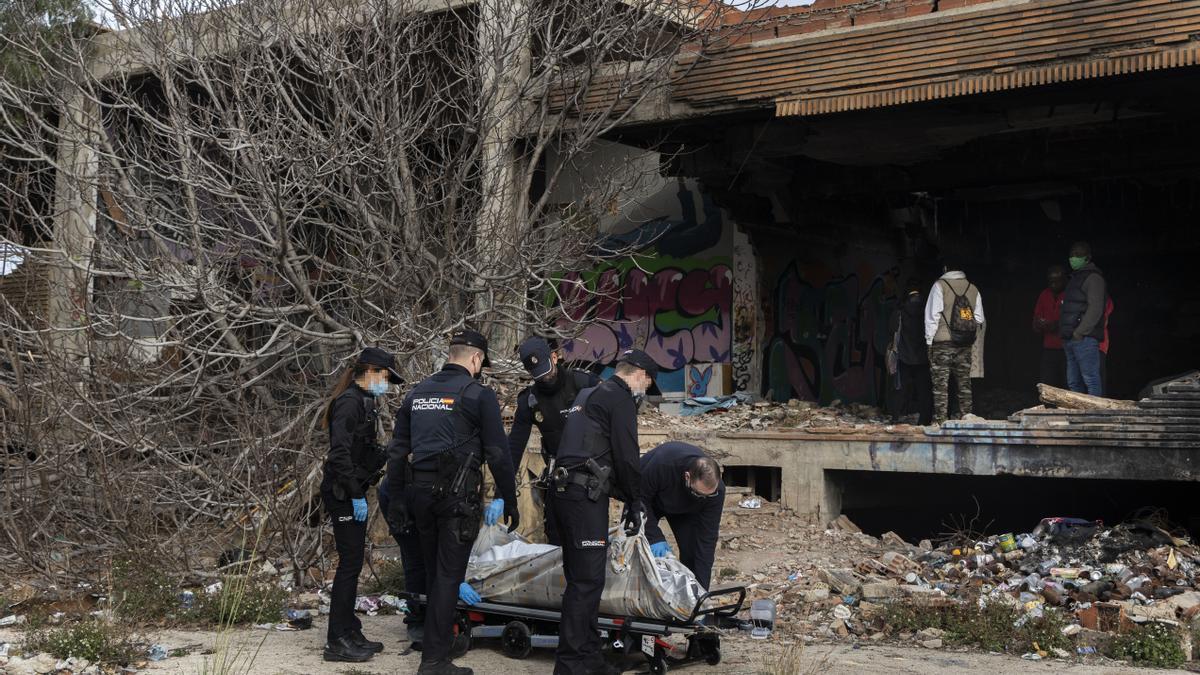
pixel 953 322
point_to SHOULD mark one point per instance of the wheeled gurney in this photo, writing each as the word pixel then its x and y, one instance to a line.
pixel 521 629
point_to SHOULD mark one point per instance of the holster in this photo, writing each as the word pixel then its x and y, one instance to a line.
pixel 590 476
pixel 468 515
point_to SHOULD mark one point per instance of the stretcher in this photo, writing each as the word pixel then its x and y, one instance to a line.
pixel 522 629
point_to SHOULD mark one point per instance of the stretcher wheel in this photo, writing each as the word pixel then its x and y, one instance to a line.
pixel 516 641
pixel 462 638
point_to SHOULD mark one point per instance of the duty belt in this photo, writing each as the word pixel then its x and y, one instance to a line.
pixel 591 477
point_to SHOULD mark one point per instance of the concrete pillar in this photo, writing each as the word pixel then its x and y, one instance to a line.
pixel 74 214
pixel 747 316
pixel 504 62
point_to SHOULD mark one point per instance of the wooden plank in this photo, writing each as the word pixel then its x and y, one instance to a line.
pixel 782 76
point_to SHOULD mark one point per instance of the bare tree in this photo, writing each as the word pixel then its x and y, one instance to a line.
pixel 235 197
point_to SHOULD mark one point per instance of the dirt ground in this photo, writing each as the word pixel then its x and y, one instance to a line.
pixel 769 550
pixel 299 653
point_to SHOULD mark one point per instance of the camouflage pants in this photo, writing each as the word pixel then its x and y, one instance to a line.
pixel 945 360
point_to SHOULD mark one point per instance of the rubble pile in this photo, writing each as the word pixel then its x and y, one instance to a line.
pixel 1106 579
pixel 794 414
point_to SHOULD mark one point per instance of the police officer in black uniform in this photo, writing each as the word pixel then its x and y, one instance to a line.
pixel 597 457
pixel 412 561
pixel 353 465
pixel 683 485
pixel 544 404
pixel 447 427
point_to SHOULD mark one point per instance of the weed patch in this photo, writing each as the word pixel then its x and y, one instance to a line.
pixel 142 593
pixel 388 578
pixel 992 627
pixel 94 640
pixel 1151 645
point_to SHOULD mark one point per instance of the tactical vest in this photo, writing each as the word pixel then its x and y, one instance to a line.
pixel 437 423
pixel 582 437
pixel 364 448
pixel 1075 305
pixel 549 412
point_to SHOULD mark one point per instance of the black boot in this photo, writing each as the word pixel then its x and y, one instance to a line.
pixel 442 668
pixel 344 649
pixel 361 640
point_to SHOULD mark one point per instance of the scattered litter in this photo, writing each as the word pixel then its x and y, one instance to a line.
pixel 214 588
pixel 4 647
pixel 1030 656
pixel 264 626
pixel 156 653
pixel 842 612
pixel 12 620
pixel 1086 650
pixel 187 599
pixel 394 602
pixel 751 503
pixel 299 619
pixel 367 603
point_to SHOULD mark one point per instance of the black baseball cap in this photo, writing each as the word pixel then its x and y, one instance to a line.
pixel 535 356
pixel 474 339
pixel 639 358
pixel 374 356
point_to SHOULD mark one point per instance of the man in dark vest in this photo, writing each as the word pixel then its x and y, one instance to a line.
pixel 1081 321
pixel 448 425
pixel 598 456
pixel 544 404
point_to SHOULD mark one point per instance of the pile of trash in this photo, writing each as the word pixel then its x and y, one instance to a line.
pixel 1108 579
pixel 733 413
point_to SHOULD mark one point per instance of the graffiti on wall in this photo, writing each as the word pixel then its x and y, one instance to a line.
pixel 674 301
pixel 746 320
pixel 830 335
pixel 677 315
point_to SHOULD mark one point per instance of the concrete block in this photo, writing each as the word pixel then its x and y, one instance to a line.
pixel 885 590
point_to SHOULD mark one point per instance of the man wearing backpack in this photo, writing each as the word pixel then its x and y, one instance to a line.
pixel 1082 324
pixel 953 317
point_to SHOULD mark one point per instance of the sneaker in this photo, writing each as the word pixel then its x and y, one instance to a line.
pixel 344 649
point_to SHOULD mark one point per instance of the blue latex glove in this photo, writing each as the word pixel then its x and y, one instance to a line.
pixel 493 512
pixel 468 594
pixel 360 509
pixel 661 549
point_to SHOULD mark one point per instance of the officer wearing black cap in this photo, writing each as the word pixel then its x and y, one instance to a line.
pixel 448 425
pixel 544 404
pixel 353 465
pixel 597 457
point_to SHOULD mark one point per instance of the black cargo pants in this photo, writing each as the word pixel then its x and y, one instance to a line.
pixel 445 556
pixel 583 527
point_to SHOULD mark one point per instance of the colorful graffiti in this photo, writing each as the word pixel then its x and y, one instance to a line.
pixel 677 315
pixel 830 335
pixel 674 300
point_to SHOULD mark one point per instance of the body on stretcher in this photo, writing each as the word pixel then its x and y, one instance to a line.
pixel 645 599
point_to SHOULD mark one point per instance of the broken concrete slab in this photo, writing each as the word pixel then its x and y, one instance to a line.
pixel 842 581
pixel 844 524
pixel 884 590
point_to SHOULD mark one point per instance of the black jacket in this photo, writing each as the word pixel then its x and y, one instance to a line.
pixel 354 456
pixel 481 410
pixel 910 316
pixel 609 415
pixel 664 494
pixel 553 402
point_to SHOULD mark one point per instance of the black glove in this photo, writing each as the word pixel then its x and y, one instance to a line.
pixel 632 518
pixel 398 519
pixel 512 514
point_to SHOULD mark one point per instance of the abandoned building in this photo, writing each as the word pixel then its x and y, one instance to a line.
pixel 812 168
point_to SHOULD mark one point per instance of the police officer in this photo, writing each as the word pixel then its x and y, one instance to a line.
pixel 597 456
pixel 351 468
pixel 448 425
pixel 683 485
pixel 544 404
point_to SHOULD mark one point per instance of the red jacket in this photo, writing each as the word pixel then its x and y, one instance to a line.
pixel 1047 309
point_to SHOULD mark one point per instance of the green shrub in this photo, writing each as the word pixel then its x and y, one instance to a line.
pixel 1154 644
pixel 241 600
pixel 388 578
pixel 142 592
pixel 94 640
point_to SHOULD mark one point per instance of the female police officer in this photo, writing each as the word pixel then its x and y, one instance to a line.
pixel 352 466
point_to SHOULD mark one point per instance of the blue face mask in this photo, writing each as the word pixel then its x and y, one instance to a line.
pixel 377 388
